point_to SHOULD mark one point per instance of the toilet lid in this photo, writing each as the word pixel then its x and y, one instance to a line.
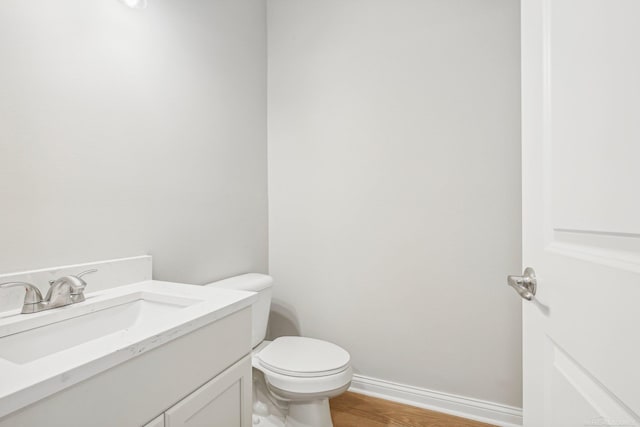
pixel 303 357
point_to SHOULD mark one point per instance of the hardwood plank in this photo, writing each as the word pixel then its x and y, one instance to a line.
pixel 344 419
pixel 357 410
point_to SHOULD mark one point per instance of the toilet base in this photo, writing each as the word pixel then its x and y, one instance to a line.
pixel 315 413
pixel 271 411
pixel 305 414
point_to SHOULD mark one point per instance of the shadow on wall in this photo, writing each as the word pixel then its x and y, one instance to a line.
pixel 283 321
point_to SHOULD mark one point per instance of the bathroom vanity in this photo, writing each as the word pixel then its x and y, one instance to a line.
pixel 146 354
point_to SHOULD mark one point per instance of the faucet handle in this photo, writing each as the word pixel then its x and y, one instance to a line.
pixel 93 270
pixel 79 275
pixel 32 293
pixel 78 285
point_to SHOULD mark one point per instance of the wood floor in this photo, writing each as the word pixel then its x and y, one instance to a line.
pixel 357 410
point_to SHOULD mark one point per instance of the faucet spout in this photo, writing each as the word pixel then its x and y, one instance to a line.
pixel 59 293
pixel 68 289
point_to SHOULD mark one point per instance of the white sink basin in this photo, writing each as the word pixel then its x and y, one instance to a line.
pixel 140 310
pixel 45 352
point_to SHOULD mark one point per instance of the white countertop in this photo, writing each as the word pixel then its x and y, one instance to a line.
pixel 26 383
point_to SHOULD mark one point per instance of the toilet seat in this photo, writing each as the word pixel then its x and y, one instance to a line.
pixel 290 388
pixel 303 357
pixel 297 368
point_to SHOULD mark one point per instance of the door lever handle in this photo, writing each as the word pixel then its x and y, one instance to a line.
pixel 524 285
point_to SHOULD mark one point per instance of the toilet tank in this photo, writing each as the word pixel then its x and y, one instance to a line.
pixel 262 285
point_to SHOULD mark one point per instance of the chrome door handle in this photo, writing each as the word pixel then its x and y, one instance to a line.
pixel 524 285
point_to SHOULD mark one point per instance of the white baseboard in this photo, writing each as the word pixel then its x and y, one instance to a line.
pixel 466 407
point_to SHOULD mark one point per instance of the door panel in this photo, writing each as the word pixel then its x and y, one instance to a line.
pixel 225 401
pixel 594 110
pixel 223 409
pixel 157 422
pixel 581 211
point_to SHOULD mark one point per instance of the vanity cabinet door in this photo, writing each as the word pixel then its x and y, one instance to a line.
pixel 157 422
pixel 225 401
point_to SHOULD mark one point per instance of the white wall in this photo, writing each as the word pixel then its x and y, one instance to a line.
pixel 394 168
pixel 124 132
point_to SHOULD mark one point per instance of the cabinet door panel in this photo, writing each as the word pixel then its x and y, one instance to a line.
pixel 156 422
pixel 225 401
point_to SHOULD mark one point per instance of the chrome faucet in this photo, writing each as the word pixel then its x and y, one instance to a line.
pixel 63 291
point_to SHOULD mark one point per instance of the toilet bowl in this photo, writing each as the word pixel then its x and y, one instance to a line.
pixel 293 377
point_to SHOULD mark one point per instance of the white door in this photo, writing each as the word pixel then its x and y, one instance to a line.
pixel 581 211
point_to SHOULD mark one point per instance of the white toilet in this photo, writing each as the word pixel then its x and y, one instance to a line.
pixel 293 377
